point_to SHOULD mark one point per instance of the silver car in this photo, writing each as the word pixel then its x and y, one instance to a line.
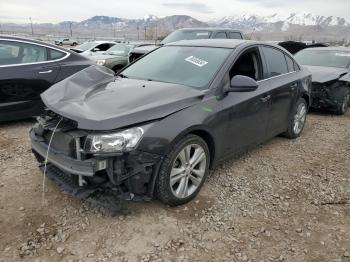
pixel 92 47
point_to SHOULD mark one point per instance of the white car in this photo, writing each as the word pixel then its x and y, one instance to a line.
pixel 93 47
pixel 66 41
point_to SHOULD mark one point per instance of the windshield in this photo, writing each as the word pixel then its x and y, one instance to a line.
pixel 86 46
pixel 119 49
pixel 190 66
pixel 329 58
pixel 186 35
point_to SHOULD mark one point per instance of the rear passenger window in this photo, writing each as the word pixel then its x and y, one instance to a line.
pixel 276 62
pixel 55 54
pixel 234 35
pixel 290 64
pixel 12 53
pixel 220 35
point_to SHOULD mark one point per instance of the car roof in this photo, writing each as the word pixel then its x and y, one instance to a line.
pixel 102 42
pixel 210 29
pixel 22 39
pixel 220 43
pixel 330 48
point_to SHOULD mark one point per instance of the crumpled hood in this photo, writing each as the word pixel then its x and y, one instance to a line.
pixel 98 100
pixel 322 74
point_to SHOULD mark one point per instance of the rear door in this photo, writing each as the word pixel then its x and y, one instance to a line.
pixel 25 73
pixel 281 77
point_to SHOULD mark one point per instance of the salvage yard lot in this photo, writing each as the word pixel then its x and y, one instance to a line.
pixel 287 200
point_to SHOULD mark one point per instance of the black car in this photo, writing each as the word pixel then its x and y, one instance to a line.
pixel 330 68
pixel 187 34
pixel 28 68
pixel 156 130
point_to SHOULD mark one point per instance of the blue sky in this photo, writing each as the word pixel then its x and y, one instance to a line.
pixel 77 10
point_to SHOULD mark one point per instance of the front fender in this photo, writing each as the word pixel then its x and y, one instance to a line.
pixel 161 135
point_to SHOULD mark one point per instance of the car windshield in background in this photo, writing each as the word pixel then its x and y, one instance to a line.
pixel 119 49
pixel 190 66
pixel 186 35
pixel 329 58
pixel 86 46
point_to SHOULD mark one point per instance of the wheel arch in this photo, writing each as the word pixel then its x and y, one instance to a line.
pixel 307 98
pixel 203 133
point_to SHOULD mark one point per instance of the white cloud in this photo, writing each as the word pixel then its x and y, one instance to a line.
pixel 77 10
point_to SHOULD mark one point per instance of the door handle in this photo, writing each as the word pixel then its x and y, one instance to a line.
pixel 45 72
pixel 265 98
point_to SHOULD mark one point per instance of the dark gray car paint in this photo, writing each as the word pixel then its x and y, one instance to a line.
pixel 98 100
pixel 89 98
pixel 229 122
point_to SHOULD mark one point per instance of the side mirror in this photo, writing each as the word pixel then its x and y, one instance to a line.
pixel 241 83
pixel 95 49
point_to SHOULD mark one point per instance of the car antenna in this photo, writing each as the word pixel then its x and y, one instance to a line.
pixel 45 165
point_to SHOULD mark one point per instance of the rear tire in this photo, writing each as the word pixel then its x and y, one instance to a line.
pixel 343 107
pixel 183 171
pixel 297 122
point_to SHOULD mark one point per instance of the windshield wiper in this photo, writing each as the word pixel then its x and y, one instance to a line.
pixel 122 76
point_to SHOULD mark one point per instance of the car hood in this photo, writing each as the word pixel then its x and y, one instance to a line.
pixel 102 56
pixel 144 49
pixel 97 100
pixel 322 74
pixel 77 50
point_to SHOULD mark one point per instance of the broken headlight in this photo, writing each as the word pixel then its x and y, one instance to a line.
pixel 115 142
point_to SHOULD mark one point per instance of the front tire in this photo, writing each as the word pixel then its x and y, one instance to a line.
pixel 183 171
pixel 297 122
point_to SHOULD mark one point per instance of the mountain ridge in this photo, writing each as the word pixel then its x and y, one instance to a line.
pixel 274 26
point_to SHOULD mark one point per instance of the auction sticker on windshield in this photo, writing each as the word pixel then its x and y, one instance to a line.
pixel 196 61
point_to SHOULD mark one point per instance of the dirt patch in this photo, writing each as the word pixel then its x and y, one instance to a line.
pixel 287 200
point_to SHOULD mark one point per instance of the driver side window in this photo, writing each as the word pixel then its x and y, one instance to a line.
pixel 248 64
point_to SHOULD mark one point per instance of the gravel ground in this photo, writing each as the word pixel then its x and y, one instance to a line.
pixel 287 200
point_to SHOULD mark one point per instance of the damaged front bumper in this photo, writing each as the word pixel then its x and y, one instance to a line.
pixel 327 95
pixel 106 180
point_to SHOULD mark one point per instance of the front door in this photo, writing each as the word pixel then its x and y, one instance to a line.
pixel 247 112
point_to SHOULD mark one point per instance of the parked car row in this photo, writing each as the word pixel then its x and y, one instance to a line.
pixel 188 34
pixel 28 68
pixel 154 127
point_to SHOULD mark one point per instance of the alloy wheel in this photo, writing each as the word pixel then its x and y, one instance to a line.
pixel 188 170
pixel 299 118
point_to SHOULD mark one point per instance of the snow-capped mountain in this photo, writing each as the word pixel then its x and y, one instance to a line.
pixel 296 26
pixel 283 22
